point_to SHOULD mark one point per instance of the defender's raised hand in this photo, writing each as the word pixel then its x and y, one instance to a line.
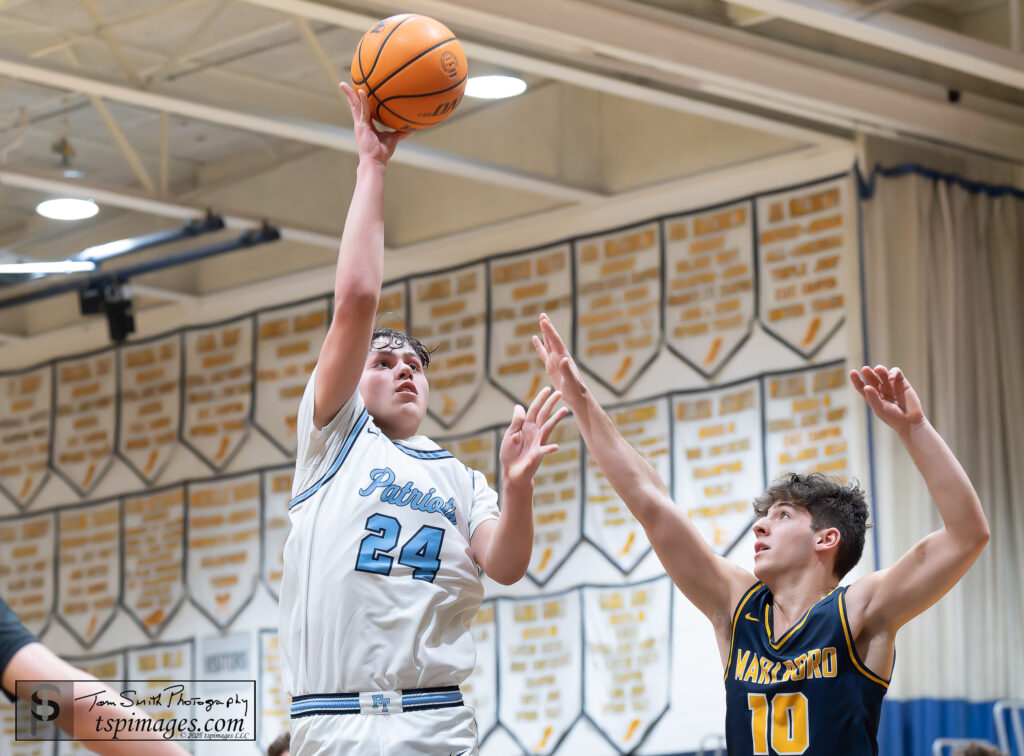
pixel 371 143
pixel 525 442
pixel 560 366
pixel 890 396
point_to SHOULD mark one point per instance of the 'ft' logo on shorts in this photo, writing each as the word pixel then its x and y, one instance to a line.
pixel 381 701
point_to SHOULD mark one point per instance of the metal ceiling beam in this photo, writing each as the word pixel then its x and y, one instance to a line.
pixel 568 74
pixel 104 33
pixel 323 60
pixel 160 208
pixel 902 35
pixel 320 134
pixel 604 37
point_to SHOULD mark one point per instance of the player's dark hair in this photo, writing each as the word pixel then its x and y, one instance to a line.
pixel 282 743
pixel 831 505
pixel 389 338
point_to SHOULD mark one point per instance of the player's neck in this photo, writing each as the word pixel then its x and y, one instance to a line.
pixel 793 595
pixel 398 431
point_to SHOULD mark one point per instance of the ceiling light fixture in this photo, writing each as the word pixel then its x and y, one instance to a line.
pixel 494 87
pixel 67 208
pixel 59 266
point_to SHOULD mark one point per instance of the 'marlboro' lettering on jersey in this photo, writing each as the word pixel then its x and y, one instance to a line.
pixel 818 662
pixel 407 494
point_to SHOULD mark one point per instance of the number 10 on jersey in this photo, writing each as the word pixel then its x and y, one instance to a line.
pixel 785 718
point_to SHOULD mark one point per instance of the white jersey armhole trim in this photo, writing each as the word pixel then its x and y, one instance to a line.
pixel 357 428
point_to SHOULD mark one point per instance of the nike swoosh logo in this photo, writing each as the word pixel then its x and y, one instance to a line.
pixel 749 617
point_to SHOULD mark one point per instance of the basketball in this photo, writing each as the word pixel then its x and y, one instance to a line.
pixel 412 69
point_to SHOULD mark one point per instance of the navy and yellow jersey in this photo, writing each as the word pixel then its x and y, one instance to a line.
pixel 807 692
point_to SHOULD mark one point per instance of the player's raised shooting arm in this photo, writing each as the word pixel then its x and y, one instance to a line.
pixel 35 662
pixel 712 583
pixel 360 268
pixel 886 600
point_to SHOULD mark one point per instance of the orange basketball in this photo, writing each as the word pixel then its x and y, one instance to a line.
pixel 412 69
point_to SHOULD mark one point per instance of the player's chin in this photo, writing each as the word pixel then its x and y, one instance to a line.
pixel 762 570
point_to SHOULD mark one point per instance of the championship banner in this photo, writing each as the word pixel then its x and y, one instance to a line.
pixel 89 567
pixel 287 346
pixel 557 503
pixel 154 549
pixel 709 296
pixel 277 494
pixel 480 690
pixel 627 652
pixel 718 459
pixel 540 664
pixel 223 545
pixel 28 568
pixel 809 422
pixel 150 376
pixel 84 422
pixel 226 671
pixel 803 235
pixel 618 303
pixel 25 433
pixel 478 451
pixel 162 666
pixel 275 703
pixel 522 287
pixel 607 521
pixel 218 390
pixel 449 311
pixel 107 667
pixel 393 307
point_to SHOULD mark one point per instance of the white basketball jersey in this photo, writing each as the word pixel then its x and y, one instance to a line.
pixel 379 581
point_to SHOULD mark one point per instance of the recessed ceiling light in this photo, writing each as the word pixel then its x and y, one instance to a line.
pixel 67 208
pixel 494 87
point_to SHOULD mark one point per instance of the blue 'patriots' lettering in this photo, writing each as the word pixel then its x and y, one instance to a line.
pixel 407 495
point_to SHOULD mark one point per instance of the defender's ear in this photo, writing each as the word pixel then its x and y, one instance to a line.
pixel 827 538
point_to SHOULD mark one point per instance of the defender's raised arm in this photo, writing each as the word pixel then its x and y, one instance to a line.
pixel 712 583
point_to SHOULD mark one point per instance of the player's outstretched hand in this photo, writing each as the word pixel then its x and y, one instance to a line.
pixel 526 441
pixel 890 395
pixel 371 143
pixel 560 366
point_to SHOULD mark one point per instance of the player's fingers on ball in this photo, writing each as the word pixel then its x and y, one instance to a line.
pixel 364 107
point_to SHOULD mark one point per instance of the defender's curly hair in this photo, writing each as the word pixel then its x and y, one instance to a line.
pixel 832 504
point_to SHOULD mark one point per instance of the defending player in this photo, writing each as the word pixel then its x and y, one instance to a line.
pixel 388 530
pixel 806 662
